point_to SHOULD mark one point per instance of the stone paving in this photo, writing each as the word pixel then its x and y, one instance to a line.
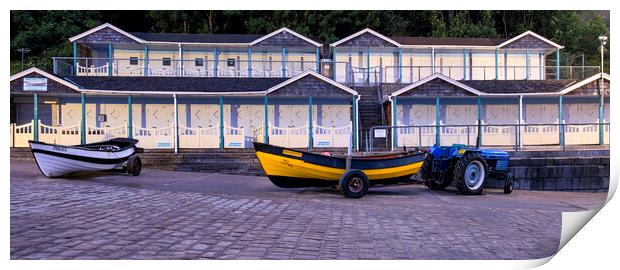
pixel 84 219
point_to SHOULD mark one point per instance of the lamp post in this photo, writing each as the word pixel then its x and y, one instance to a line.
pixel 23 51
pixel 603 40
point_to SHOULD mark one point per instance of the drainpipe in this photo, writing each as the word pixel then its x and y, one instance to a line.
pixel 357 124
pixel 310 143
pixel 176 124
pixel 392 120
pixel 266 124
pixel 146 60
pixel 250 62
pixel 180 60
pixel 110 58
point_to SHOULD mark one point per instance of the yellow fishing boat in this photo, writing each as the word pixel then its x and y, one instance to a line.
pixel 289 168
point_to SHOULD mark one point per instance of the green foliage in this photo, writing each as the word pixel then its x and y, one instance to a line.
pixel 47 32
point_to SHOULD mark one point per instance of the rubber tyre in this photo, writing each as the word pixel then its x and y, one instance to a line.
pixel 474 159
pixel 509 184
pixel 134 165
pixel 426 173
pixel 354 184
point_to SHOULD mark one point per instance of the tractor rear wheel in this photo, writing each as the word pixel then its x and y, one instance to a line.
pixel 470 174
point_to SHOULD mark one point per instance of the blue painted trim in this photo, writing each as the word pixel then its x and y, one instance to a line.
pixel 334 65
pixel 143 115
pixel 182 63
pixel 479 121
pixel 505 66
pixel 250 62
pixel 471 65
pixel 437 120
pixel 527 65
pixel 188 114
pixel 283 62
pixel 110 57
pixel 400 65
pixel 74 59
pixel 394 122
pixel 266 124
pixel 83 124
pixel 310 124
pixel 432 61
pixel 318 66
pixel 146 60
pixel 129 117
pixel 560 120
pixel 368 67
pixel 496 64
pixel 35 102
pixel 464 64
pixel 221 123
pixel 215 64
pixel 540 67
pixel 97 112
pixel 557 64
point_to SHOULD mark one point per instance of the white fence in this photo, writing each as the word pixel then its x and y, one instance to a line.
pixel 21 134
pixel 233 137
pixel 59 135
pixel 295 137
pixel 331 136
pixel 199 137
pixel 97 134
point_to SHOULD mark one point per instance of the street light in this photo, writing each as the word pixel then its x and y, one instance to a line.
pixel 23 51
pixel 603 40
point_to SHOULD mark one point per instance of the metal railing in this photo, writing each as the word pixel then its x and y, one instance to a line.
pixel 516 136
pixel 165 67
pixel 411 74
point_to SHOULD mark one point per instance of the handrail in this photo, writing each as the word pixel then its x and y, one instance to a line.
pixel 560 128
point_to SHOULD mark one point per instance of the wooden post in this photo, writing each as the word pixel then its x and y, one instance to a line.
pixel 176 123
pixel 83 128
pixel 35 125
pixel 310 143
pixel 129 117
pixel 266 124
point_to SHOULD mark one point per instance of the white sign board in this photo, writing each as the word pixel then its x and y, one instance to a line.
pixel 380 133
pixel 35 84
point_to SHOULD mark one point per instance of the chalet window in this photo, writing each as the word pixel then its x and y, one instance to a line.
pixel 199 62
pixel 133 61
pixel 166 61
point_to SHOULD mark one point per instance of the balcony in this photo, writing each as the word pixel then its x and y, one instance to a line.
pixel 228 68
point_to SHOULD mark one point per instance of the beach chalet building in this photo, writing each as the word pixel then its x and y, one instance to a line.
pixel 207 91
pixel 185 91
pixel 368 57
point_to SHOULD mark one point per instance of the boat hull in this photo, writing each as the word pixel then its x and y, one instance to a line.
pixel 292 168
pixel 58 160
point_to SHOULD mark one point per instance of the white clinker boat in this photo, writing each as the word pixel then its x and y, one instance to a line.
pixel 56 160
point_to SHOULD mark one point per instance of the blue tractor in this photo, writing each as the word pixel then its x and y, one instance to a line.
pixel 468 167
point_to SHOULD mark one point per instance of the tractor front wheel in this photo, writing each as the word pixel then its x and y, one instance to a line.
pixel 426 173
pixel 470 174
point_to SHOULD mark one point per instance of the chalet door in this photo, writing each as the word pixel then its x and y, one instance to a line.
pixel 116 114
pixel 204 115
pixel 335 115
pixel 500 135
pixel 250 118
pixel 460 115
pixel 419 115
pixel 539 131
pixel 581 127
pixel 159 115
pixel 293 115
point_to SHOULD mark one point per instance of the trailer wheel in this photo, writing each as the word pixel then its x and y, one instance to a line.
pixel 354 184
pixel 134 165
pixel 470 174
